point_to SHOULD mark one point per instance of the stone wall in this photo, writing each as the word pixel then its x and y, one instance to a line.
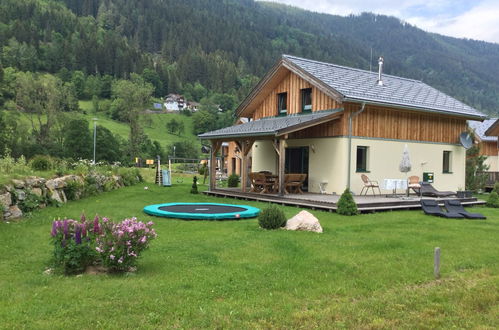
pixel 14 196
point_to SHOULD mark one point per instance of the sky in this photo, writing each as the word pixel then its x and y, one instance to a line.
pixel 473 19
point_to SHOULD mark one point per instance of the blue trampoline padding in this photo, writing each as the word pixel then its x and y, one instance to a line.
pixel 246 212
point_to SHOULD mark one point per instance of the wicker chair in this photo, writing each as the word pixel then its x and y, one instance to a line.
pixel 413 183
pixel 369 184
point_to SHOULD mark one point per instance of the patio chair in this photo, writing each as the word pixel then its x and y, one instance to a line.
pixel 455 206
pixel 262 179
pixel 428 190
pixel 293 182
pixel 413 183
pixel 431 207
pixel 256 184
pixel 369 184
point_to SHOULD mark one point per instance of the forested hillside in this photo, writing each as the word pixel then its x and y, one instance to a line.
pixel 119 54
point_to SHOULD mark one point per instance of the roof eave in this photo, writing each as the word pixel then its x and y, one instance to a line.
pixel 415 108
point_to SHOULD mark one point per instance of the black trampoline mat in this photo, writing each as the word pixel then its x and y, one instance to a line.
pixel 202 208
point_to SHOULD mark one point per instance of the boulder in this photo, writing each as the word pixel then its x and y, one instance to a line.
pixel 13 212
pixel 304 221
pixel 34 182
pixel 37 191
pixel 5 201
pixel 18 184
pixel 21 194
pixel 58 195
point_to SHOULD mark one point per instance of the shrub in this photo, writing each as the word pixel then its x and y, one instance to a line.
pixel 120 244
pixel 496 187
pixel 30 202
pixel 73 190
pixel 73 246
pixel 346 204
pixel 194 188
pixel 233 180
pixel 493 200
pixel 271 218
pixel 41 163
pixel 130 176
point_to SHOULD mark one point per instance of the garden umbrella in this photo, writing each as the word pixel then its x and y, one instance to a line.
pixel 405 164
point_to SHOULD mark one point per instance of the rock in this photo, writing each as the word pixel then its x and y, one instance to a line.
pixel 21 194
pixel 13 212
pixel 58 195
pixel 37 191
pixel 5 200
pixel 34 182
pixel 304 221
pixel 18 184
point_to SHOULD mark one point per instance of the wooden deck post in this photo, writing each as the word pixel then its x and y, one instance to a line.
pixel 215 145
pixel 246 146
pixel 282 162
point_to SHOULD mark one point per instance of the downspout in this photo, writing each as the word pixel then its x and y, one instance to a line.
pixel 350 118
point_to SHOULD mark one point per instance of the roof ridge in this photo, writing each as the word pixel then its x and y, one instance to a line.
pixel 351 68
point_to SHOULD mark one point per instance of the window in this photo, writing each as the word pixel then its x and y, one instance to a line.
pixel 447 168
pixel 362 154
pixel 306 100
pixel 282 104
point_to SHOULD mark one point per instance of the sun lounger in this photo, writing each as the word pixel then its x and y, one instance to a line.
pixel 455 206
pixel 431 207
pixel 428 190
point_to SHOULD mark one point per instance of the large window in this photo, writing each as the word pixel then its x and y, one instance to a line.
pixel 447 163
pixel 362 155
pixel 282 104
pixel 306 100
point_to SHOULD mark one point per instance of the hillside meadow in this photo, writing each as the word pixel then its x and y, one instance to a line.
pixel 367 271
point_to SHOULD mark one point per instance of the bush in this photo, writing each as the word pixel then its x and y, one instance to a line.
pixel 120 244
pixel 493 200
pixel 233 180
pixel 130 176
pixel 30 202
pixel 496 187
pixel 272 218
pixel 194 188
pixel 114 245
pixel 41 163
pixel 73 190
pixel 346 204
pixel 73 245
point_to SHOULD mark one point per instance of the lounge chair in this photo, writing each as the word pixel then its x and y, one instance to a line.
pixel 369 184
pixel 413 183
pixel 431 207
pixel 455 206
pixel 428 190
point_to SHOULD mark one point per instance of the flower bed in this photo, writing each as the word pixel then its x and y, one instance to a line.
pixel 116 246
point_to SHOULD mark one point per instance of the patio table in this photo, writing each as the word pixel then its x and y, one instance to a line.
pixel 394 184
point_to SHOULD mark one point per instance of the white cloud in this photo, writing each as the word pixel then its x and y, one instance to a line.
pixel 462 19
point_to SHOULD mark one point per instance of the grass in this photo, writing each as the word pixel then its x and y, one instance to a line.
pixel 154 125
pixel 368 271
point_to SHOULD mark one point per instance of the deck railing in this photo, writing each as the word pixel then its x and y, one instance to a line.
pixel 492 178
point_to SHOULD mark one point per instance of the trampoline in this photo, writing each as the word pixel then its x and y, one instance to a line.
pixel 202 211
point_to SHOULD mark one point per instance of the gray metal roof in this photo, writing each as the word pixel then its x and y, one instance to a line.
pixel 271 126
pixel 360 85
pixel 481 127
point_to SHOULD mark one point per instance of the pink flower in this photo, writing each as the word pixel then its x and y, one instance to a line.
pixel 112 257
pixel 120 260
pixel 99 249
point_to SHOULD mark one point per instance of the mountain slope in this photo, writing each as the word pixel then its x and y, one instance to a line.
pixel 219 43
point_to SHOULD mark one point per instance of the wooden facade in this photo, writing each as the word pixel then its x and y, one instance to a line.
pixel 489 148
pixel 293 84
pixel 374 121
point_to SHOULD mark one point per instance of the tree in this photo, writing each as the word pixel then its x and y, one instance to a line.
pixel 475 167
pixel 174 126
pixel 108 147
pixel 184 149
pixel 131 96
pixel 78 140
pixel 204 121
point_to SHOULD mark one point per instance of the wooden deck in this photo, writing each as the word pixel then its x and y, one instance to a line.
pixel 328 202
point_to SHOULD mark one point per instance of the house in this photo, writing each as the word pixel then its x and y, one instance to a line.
pixel 335 123
pixel 174 102
pixel 488 143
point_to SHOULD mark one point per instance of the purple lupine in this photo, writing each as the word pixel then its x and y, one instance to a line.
pixel 96 225
pixel 78 233
pixel 54 229
pixel 83 218
pixel 65 228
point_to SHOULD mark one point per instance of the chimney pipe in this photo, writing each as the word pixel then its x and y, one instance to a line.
pixel 380 71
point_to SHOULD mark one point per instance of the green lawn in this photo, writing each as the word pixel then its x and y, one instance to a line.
pixel 367 271
pixel 154 125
